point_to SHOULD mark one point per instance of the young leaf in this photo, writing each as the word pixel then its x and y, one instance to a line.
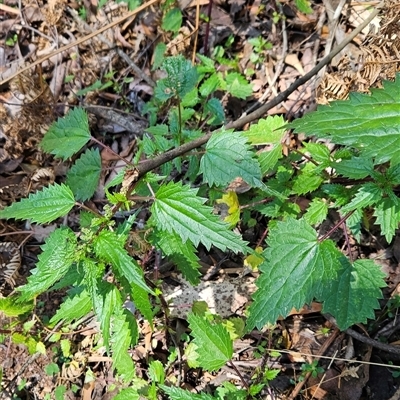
pixel 316 212
pixel 172 20
pixel 368 194
pixel 207 66
pixel 297 267
pixel 214 107
pixel 182 78
pixel 369 123
pixel 270 130
pixel 140 298
pixel 232 201
pixel 93 273
pixel 68 135
pixel 45 206
pixel 84 175
pixel 127 394
pixel 352 297
pixel 158 55
pixel 156 372
pixel 355 168
pixel 177 209
pixel 73 308
pixel 214 345
pixel 58 253
pixel 308 180
pixel 237 85
pixel 209 85
pixel 109 248
pixel 354 223
pixel 124 333
pixel 387 213
pixel 304 6
pixel 269 159
pixel 176 393
pixel 11 306
pixel 188 263
pixel 339 193
pixel 228 157
pixel 319 152
pixel 110 300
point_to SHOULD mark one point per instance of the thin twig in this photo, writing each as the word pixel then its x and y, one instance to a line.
pixel 333 23
pixel 372 342
pixel 138 72
pixel 321 351
pixel 278 70
pixel 79 41
pixel 156 162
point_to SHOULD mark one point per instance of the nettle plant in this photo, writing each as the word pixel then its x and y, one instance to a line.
pixel 297 265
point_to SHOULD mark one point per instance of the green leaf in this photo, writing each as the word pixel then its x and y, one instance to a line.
pixel 158 55
pixel 297 268
pixel 237 86
pixel 141 300
pixel 110 300
pixel 127 394
pixel 182 78
pixel 124 330
pixel 58 254
pixel 369 123
pixel 339 193
pixel 177 209
pixel 65 346
pixel 393 174
pixel 353 296
pixel 214 107
pixel 84 175
pixel 68 135
pixel 308 179
pixel 270 130
pixel 228 157
pixel 304 6
pixel 176 393
pixel 387 213
pixel 354 224
pixel 208 65
pixel 191 99
pixel 109 247
pixel 368 194
pixel 316 212
pixel 156 372
pixel 60 392
pixel 172 20
pixel 210 85
pixel 159 129
pixel 319 152
pixel 45 206
pixel 11 306
pixel 73 308
pixel 172 245
pixel 268 159
pixel 93 273
pixel 355 168
pixel 52 369
pixel 214 345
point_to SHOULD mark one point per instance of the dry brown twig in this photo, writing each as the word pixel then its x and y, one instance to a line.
pixel 138 72
pixel 156 162
pixel 79 41
pixel 321 351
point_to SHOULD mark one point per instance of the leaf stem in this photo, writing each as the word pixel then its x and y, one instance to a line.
pixel 245 384
pixel 109 149
pixel 336 226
